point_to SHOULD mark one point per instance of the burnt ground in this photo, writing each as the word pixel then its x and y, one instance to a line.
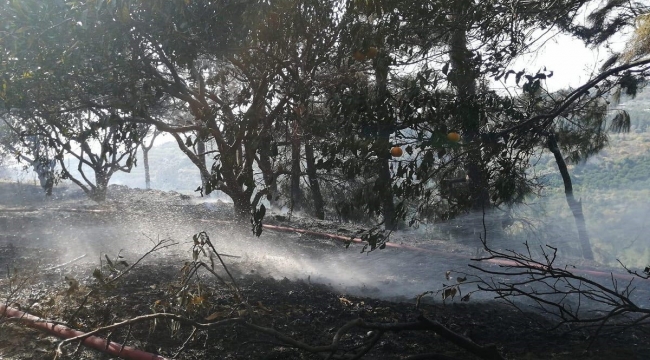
pixel 302 286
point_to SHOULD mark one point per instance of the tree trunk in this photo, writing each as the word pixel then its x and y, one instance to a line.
pixel 385 181
pixel 296 194
pixel 266 167
pixel 316 195
pixel 574 205
pixel 98 193
pixel 200 152
pixel 145 159
pixel 382 67
pixel 463 77
pixel 45 171
pixel 242 207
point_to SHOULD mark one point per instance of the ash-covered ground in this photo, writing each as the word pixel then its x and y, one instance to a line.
pixel 71 225
pixel 303 285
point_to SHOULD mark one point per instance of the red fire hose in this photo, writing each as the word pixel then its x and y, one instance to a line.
pixel 64 332
pixel 503 262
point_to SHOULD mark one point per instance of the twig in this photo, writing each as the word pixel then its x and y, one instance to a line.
pixel 180 350
pixel 66 263
pixel 126 338
pixel 488 352
pixel 206 239
pixel 373 341
pixel 223 264
pixel 144 318
pixel 634 272
pixel 551 289
pixel 161 244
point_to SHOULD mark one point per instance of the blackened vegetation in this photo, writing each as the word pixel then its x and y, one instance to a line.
pixel 202 306
pixel 308 313
pixel 574 301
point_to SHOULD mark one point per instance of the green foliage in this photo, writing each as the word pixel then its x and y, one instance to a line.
pixel 260 79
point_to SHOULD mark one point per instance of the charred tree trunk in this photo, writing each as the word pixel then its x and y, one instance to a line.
pixel 270 181
pixel 243 208
pixel 232 180
pixel 45 170
pixel 574 205
pixel 98 192
pixel 296 194
pixel 385 181
pixel 317 197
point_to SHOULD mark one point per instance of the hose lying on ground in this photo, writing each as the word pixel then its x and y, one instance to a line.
pixel 64 332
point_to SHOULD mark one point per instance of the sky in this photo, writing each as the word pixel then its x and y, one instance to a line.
pixel 571 61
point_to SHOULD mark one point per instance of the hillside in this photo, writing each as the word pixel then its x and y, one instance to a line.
pixel 613 186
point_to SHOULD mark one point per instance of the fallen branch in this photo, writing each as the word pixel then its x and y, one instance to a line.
pixel 489 352
pixel 165 316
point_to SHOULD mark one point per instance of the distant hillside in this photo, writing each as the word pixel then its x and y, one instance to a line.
pixel 624 164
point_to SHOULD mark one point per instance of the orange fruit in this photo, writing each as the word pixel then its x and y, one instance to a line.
pixel 359 56
pixel 372 52
pixel 396 151
pixel 453 137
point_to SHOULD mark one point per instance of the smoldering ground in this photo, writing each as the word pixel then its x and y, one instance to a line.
pixel 37 236
pixel 69 226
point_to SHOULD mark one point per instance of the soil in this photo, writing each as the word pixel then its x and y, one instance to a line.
pixel 52 252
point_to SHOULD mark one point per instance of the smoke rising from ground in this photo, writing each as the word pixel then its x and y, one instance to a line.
pixel 132 216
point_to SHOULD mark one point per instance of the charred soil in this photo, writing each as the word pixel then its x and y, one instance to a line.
pixel 37 279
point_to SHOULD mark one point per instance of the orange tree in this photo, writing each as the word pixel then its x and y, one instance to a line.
pixel 29 150
pixel 247 77
pixel 51 70
pixel 431 76
pixel 201 71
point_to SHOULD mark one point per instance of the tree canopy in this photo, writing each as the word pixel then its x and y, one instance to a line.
pixel 290 92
